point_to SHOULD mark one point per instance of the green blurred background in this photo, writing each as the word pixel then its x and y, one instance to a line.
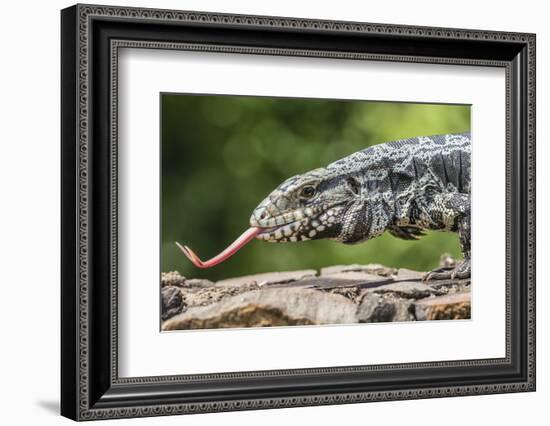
pixel 222 155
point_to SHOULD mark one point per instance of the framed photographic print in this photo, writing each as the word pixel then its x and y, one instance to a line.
pixel 263 212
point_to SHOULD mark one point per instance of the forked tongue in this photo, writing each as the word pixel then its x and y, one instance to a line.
pixel 233 248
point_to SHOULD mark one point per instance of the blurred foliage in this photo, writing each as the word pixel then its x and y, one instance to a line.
pixel 221 155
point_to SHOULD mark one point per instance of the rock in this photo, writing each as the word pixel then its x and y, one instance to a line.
pixel 409 289
pixel 373 269
pixel 347 280
pixel 384 308
pixel 199 282
pixel 172 278
pixel 449 307
pixel 354 276
pixel 409 274
pixel 268 307
pixel 451 286
pixel 172 302
pixel 202 296
pixel 352 293
pixel 269 278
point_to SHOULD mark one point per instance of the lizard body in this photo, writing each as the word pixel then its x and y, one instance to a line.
pixel 404 187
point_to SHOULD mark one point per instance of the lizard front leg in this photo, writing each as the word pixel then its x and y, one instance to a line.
pixel 456 213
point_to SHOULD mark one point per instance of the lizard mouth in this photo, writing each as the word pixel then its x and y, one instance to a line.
pixel 280 233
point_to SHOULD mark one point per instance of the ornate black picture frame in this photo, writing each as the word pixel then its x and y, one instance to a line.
pixel 91 36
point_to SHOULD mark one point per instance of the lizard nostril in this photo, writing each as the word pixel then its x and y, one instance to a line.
pixel 263 215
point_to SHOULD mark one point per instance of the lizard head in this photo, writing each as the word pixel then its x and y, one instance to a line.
pixel 310 206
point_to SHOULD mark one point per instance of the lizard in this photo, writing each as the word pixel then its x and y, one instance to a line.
pixel 404 187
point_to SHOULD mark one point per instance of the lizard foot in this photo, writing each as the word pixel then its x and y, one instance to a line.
pixel 461 271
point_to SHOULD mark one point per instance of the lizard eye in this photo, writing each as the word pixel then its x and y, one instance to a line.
pixel 307 192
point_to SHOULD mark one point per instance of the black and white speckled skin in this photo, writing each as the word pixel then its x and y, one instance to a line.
pixel 403 187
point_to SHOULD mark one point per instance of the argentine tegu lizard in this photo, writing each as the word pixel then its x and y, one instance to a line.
pixel 404 187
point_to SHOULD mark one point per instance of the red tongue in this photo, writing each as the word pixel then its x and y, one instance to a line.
pixel 240 242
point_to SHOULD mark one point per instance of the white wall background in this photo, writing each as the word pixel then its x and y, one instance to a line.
pixel 29 210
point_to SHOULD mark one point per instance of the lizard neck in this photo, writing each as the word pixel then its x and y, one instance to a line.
pixel 367 217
